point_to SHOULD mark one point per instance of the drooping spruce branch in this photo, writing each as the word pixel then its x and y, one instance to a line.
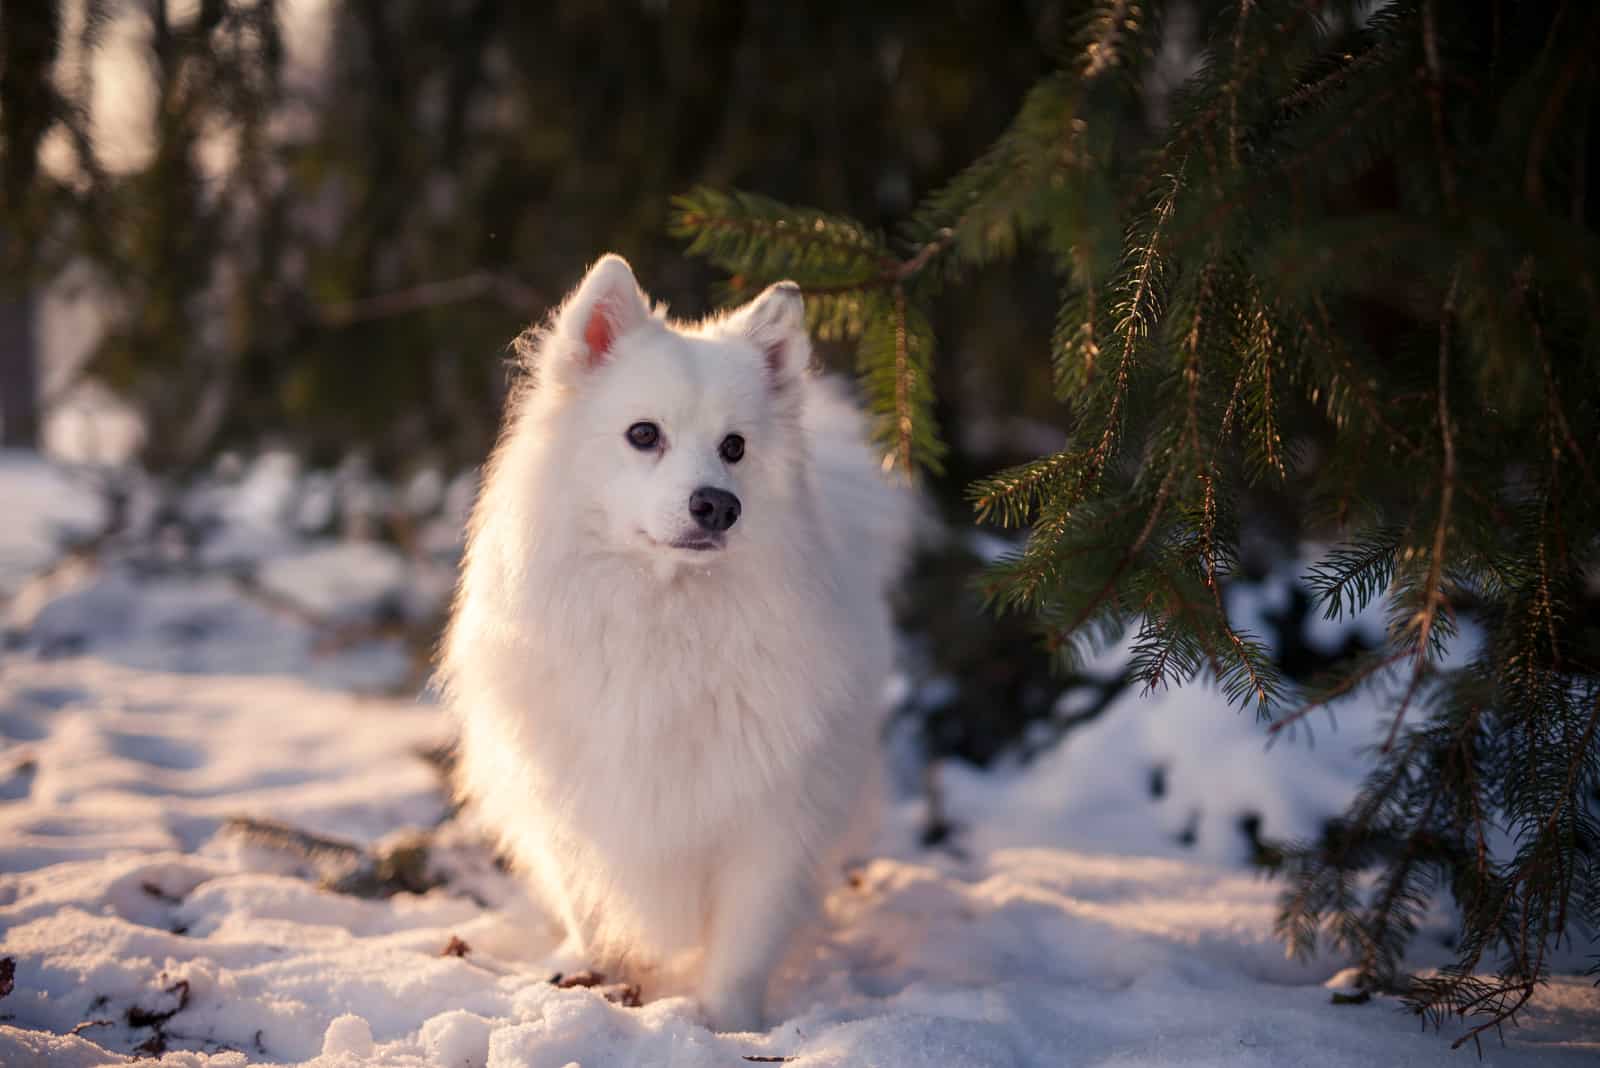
pixel 856 288
pixel 1350 280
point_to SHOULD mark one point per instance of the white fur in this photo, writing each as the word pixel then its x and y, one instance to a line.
pixel 674 745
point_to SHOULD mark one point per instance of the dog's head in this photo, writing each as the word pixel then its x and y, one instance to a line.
pixel 678 441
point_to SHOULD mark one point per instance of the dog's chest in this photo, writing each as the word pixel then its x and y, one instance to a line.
pixel 682 686
pixel 650 734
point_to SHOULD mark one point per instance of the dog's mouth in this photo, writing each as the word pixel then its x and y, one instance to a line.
pixel 694 543
pixel 698 544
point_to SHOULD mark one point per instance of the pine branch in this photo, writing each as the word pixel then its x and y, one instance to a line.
pixel 1188 129
pixel 1261 402
pixel 894 273
pixel 748 234
pixel 1076 342
pixel 1435 91
pixel 1273 309
pixel 1126 559
pixel 1349 578
pixel 843 269
pixel 1136 312
pixel 1558 415
pixel 1578 60
pixel 902 383
pixel 1433 597
pixel 1015 495
pixel 895 360
pixel 1345 685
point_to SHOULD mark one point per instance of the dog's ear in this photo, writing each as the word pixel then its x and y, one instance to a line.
pixel 606 305
pixel 775 322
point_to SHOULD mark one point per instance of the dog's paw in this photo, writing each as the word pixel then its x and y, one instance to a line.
pixel 733 1010
pixel 569 958
pixel 585 978
pixel 624 994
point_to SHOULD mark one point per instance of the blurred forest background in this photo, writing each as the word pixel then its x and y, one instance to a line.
pixel 313 226
pixel 236 228
pixel 316 223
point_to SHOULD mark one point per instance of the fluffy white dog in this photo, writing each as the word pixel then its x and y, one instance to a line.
pixel 670 639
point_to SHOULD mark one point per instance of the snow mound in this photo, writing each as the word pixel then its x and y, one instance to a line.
pixel 140 917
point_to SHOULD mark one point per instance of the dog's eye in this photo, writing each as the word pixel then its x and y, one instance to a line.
pixel 732 449
pixel 644 435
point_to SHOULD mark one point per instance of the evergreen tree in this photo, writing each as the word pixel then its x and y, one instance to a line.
pixel 1342 275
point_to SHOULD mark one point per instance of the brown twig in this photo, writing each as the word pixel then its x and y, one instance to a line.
pixel 1309 9
pixel 892 272
pixel 1333 693
pixel 1405 703
pixel 1232 88
pixel 1558 415
pixel 1181 608
pixel 1501 1014
pixel 1378 918
pixel 1574 766
pixel 80 1028
pixel 1430 51
pixel 1463 745
pixel 1433 595
pixel 508 291
pixel 1369 404
pixel 1538 143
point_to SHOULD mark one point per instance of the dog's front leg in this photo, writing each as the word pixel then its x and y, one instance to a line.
pixel 550 868
pixel 761 894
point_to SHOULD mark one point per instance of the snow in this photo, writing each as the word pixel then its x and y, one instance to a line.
pixel 44 507
pixel 1094 790
pixel 143 712
pixel 346 579
pixel 348 1034
pixel 200 624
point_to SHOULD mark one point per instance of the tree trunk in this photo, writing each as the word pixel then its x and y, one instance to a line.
pixel 19 374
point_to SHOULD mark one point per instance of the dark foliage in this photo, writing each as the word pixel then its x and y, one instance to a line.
pixel 334 257
pixel 1336 284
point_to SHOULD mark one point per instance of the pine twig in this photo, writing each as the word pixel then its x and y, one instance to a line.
pixel 894 272
pixel 1129 327
pixel 1538 144
pixel 1501 1015
pixel 1127 558
pixel 1433 596
pixel 1435 90
pixel 1333 693
pixel 902 384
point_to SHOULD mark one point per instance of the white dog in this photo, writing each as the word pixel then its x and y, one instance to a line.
pixel 670 639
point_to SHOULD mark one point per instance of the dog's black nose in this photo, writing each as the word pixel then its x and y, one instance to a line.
pixel 714 509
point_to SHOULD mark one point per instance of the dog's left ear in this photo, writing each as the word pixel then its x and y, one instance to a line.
pixel 606 305
pixel 775 322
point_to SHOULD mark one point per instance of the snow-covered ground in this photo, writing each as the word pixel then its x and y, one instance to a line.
pixel 203 800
